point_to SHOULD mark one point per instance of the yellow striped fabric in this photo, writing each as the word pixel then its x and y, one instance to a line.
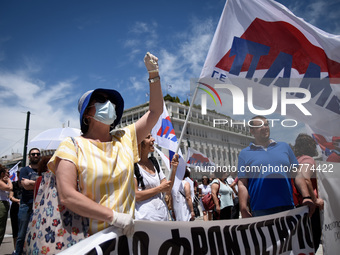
pixel 105 170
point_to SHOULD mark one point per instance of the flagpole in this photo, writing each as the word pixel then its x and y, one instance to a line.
pixel 184 127
pixel 26 139
pixel 187 118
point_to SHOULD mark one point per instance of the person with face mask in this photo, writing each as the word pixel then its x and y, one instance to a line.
pixel 102 158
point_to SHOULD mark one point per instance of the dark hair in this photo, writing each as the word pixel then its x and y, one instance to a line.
pixel 142 143
pixel 204 176
pixel 33 149
pixel 42 165
pixel 305 145
pixel 187 173
pixel 84 128
pixel 251 122
pixel 3 169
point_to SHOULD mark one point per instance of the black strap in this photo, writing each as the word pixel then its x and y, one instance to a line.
pixel 182 194
pixel 155 163
pixel 138 175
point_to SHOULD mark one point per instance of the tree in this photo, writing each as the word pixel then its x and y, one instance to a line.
pixel 186 102
pixel 167 97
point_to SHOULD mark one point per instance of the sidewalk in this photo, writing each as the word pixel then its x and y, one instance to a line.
pixel 7 244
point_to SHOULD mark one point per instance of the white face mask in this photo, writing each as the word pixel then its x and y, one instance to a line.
pixel 105 112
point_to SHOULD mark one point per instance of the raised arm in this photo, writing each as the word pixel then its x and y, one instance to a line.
pixel 149 119
pixel 6 186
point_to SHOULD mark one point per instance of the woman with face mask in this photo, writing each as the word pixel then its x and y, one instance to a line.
pixel 103 158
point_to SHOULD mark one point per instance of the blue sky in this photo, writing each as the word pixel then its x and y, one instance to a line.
pixel 51 52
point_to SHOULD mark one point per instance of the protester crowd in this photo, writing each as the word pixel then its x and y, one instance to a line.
pixel 107 178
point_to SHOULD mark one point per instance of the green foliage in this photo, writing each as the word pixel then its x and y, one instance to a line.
pixel 186 102
pixel 176 99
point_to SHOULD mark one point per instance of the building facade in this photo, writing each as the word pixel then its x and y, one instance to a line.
pixel 10 160
pixel 220 142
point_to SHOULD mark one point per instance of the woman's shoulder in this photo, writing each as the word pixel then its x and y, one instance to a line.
pixel 217 181
pixel 67 150
pixel 305 159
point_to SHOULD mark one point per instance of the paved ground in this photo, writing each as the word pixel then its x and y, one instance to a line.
pixel 7 245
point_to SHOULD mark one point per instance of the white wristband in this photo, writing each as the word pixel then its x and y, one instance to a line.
pixel 153 71
pixel 113 219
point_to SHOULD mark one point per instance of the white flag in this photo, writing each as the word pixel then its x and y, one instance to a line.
pixel 13 172
pixel 196 158
pixel 275 61
pixel 165 137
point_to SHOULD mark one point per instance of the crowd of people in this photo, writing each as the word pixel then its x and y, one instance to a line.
pixel 107 176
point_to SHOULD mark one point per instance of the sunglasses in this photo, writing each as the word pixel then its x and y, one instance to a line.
pixel 100 98
pixel 35 154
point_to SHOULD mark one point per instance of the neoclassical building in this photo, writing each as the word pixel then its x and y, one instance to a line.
pixel 220 142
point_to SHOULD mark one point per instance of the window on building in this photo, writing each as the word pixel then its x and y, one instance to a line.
pixel 207 152
pixel 181 110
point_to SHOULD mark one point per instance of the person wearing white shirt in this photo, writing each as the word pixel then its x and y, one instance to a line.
pixel 150 203
pixel 203 189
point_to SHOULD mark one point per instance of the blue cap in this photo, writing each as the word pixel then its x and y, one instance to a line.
pixel 114 96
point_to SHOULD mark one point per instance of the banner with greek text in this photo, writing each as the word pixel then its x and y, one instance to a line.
pixel 283 233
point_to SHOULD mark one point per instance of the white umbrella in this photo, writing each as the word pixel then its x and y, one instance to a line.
pixel 51 138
